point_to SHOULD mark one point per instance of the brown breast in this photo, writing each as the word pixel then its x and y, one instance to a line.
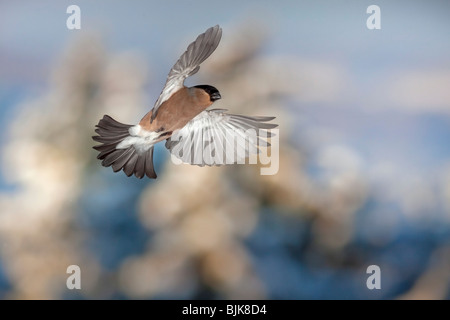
pixel 178 110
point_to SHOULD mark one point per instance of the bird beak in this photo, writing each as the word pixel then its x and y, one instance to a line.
pixel 215 96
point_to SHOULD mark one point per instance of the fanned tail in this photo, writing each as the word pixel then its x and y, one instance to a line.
pixel 110 134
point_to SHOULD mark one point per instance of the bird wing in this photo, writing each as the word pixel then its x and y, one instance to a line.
pixel 189 63
pixel 214 138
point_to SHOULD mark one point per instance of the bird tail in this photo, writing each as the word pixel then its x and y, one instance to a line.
pixel 110 134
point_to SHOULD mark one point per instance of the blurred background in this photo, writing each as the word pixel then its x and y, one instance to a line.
pixel 364 176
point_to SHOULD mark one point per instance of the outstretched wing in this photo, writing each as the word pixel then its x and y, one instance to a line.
pixel 215 138
pixel 189 63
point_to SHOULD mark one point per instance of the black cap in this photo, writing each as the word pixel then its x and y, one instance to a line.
pixel 214 94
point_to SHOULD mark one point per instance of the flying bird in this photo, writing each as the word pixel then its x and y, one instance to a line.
pixel 179 116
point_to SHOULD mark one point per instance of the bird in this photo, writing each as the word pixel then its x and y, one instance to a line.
pixel 193 134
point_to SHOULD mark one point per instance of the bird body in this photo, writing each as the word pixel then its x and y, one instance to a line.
pixel 180 117
pixel 171 117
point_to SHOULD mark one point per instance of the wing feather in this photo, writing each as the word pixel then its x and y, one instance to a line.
pixel 189 63
pixel 216 138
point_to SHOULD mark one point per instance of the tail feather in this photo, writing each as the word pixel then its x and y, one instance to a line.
pixel 110 134
pixel 113 157
pixel 105 139
pixel 149 168
pixel 119 163
pixel 139 169
pixel 128 168
pixel 105 146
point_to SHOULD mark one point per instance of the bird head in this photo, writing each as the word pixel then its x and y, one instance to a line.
pixel 214 94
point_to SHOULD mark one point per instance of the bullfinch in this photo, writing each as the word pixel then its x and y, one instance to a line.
pixel 193 134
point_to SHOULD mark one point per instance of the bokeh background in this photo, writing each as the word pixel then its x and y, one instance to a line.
pixel 364 175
